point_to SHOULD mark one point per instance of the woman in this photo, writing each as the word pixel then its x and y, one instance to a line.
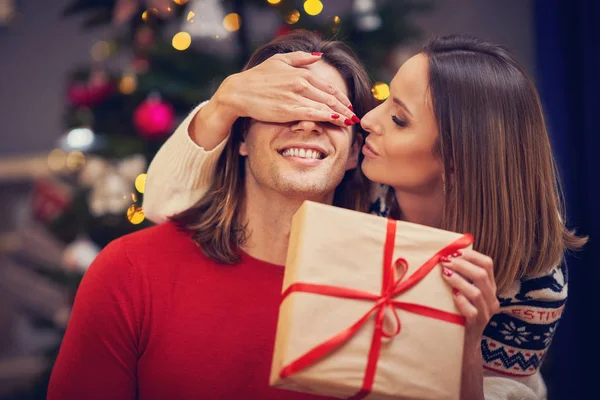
pixel 460 144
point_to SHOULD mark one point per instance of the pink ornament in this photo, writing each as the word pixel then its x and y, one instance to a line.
pixel 153 118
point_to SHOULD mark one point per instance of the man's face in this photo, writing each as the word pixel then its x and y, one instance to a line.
pixel 299 159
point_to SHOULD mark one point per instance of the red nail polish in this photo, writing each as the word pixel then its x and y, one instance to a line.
pixel 355 119
pixel 457 254
pixel 317 53
pixel 348 122
pixel 335 116
pixel 445 258
pixel 447 271
pixel 351 108
pixel 455 291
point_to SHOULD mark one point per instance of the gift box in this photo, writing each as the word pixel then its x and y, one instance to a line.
pixel 365 312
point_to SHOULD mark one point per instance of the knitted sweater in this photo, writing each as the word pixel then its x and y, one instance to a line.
pixel 515 340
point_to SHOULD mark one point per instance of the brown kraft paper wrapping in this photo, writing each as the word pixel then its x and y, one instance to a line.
pixel 333 246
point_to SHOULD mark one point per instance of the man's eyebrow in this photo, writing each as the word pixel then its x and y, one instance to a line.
pixel 401 104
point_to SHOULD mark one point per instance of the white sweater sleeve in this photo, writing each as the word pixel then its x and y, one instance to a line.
pixel 180 173
pixel 501 387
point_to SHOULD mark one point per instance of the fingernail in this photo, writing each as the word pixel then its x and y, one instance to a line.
pixel 457 254
pixel 351 108
pixel 455 291
pixel 447 271
pixel 335 116
pixel 348 122
pixel 445 258
pixel 317 53
pixel 355 119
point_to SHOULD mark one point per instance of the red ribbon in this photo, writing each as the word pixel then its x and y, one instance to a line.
pixel 390 288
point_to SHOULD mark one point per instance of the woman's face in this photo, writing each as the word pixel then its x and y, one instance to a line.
pixel 399 150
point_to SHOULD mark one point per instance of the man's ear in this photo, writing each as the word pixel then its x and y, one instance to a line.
pixel 355 152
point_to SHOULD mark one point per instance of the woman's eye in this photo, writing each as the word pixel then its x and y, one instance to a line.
pixel 398 121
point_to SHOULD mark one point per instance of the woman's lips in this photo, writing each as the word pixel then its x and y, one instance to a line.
pixel 369 151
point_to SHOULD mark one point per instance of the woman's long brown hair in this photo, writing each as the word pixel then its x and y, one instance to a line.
pixel 502 182
pixel 215 219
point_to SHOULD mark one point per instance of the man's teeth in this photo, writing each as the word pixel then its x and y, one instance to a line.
pixel 302 153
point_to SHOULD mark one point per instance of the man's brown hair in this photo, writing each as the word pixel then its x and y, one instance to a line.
pixel 215 219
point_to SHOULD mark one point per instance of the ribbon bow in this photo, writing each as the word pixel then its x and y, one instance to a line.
pixel 391 288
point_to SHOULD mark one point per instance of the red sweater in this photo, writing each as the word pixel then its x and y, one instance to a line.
pixel 155 319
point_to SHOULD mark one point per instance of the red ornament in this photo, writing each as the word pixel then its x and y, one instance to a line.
pixel 90 94
pixel 50 199
pixel 283 30
pixel 140 64
pixel 153 118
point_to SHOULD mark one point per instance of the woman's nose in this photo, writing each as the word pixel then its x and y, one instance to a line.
pixel 369 122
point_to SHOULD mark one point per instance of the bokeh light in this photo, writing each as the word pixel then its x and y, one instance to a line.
pixel 232 22
pixel 57 160
pixel 313 7
pixel 292 17
pixel 128 84
pixel 334 24
pixel 75 160
pixel 274 1
pixel 135 214
pixel 190 16
pixel 140 183
pixel 180 2
pixel 150 14
pixel 80 138
pixel 380 90
pixel 100 50
pixel 182 40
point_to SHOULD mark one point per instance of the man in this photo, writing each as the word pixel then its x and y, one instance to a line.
pixel 160 315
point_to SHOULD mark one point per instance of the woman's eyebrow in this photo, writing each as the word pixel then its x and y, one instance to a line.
pixel 401 104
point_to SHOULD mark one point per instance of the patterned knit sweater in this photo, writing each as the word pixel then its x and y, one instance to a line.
pixel 514 342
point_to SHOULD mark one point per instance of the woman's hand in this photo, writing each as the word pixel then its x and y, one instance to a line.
pixel 471 275
pixel 280 90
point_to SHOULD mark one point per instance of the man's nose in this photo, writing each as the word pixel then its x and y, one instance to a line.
pixel 307 126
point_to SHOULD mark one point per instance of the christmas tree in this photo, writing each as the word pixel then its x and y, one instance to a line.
pixel 162 59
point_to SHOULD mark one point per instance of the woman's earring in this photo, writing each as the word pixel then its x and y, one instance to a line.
pixel 443 184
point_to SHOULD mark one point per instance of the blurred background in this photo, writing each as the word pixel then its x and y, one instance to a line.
pixel 90 89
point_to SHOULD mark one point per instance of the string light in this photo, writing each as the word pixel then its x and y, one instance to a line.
pixel 380 90
pixel 182 40
pixel 135 214
pixel 313 7
pixel 149 13
pixel 335 24
pixel 128 84
pixel 292 17
pixel 140 183
pixel 232 22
